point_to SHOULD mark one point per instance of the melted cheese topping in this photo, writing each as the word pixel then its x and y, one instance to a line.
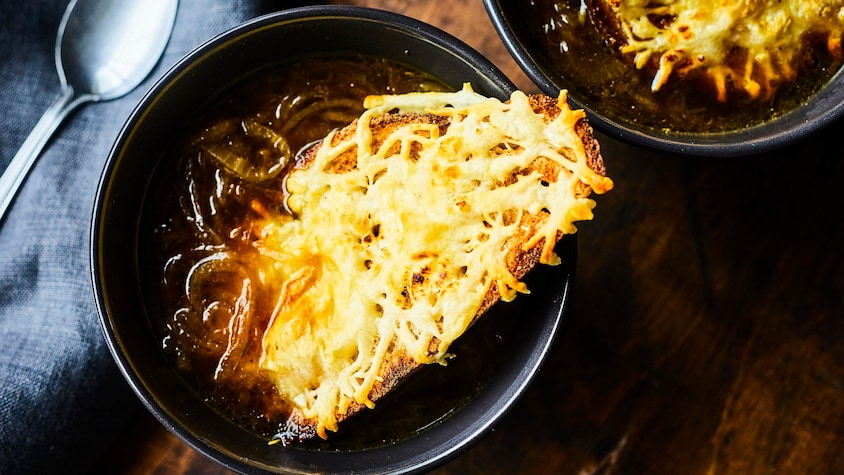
pixel 683 35
pixel 399 251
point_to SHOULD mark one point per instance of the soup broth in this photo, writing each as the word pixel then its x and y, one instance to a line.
pixel 208 298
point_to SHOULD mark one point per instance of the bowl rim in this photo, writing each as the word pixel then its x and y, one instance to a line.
pixel 406 455
pixel 745 142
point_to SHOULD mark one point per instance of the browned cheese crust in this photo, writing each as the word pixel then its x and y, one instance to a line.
pixel 399 364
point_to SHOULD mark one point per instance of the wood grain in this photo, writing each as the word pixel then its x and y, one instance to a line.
pixel 705 332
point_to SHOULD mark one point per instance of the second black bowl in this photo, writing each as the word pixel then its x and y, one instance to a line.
pixel 525 37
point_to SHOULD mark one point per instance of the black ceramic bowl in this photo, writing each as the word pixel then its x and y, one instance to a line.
pixel 522 331
pixel 522 33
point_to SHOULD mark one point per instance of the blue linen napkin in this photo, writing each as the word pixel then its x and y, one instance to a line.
pixel 62 399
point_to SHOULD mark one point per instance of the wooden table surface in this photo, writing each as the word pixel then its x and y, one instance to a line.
pixel 705 332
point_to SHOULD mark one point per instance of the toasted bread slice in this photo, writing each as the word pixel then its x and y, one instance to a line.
pixel 434 205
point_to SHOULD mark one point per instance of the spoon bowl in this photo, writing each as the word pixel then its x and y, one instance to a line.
pixel 104 49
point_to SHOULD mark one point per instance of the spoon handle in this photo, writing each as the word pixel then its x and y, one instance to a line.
pixel 18 168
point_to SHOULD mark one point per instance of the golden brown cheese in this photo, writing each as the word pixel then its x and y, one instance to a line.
pixel 685 35
pixel 401 249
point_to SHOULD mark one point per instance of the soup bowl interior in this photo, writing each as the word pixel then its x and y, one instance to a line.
pixel 522 34
pixel 525 327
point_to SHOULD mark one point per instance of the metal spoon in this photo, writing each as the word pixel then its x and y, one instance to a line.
pixel 104 49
